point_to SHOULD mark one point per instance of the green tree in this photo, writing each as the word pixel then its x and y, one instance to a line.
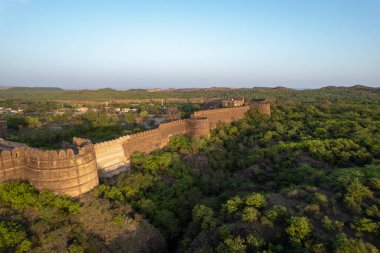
pixel 344 244
pixel 13 238
pixel 355 194
pixel 233 245
pixel 298 229
pixel 130 118
pixel 365 225
pixel 232 205
pixel 256 200
pixel 250 214
pixel 255 240
pixel 33 122
pixel 143 115
pixel 204 216
pixel 275 213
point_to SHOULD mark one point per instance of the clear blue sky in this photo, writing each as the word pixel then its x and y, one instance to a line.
pixel 197 43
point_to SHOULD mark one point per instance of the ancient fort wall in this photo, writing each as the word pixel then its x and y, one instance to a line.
pixel 74 171
pixel 69 171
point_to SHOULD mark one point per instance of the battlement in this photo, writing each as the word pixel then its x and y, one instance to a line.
pixel 69 171
pixel 221 110
pixel 74 170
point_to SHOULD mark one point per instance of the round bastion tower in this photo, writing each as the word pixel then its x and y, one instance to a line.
pixel 262 105
pixel 72 171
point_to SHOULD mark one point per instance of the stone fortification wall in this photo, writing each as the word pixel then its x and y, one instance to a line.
pixel 228 115
pixel 74 171
pixel 155 139
pixel 110 155
pixel 70 171
pixel 225 115
pixel 114 156
pixel 263 107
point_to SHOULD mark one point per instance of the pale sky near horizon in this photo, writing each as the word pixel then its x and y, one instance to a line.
pixel 200 43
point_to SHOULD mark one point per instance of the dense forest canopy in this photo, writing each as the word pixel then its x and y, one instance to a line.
pixel 305 179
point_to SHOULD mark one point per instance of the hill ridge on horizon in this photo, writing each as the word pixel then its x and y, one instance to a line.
pixel 157 89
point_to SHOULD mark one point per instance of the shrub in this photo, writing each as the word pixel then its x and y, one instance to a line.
pixel 273 214
pixel 296 194
pixel 118 220
pixel 114 193
pixel 232 205
pixel 355 194
pixel 20 195
pixel 344 244
pixel 374 183
pixel 250 214
pixel 13 238
pixel 224 231
pixel 233 245
pixel 312 209
pixel 136 183
pixel 298 229
pixel 330 225
pixel 203 215
pixel 373 211
pixel 256 200
pixel 75 248
pixel 365 225
pixel 255 241
pixel 321 199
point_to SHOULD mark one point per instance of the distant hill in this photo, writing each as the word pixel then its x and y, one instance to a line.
pixel 332 93
pixel 5 87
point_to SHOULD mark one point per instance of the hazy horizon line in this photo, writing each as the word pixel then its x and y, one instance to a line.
pixel 186 87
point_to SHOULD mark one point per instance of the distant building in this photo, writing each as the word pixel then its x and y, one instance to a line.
pixel 3 128
pixel 233 102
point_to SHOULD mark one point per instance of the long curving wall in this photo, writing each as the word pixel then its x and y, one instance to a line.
pixel 74 171
pixel 114 156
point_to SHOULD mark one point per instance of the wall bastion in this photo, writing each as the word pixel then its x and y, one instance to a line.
pixel 71 171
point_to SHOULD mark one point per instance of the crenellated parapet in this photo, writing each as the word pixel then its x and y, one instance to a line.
pixel 74 170
pixel 71 171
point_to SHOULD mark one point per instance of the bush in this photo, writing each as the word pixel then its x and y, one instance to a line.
pixel 344 244
pixel 13 238
pixel 313 209
pixel 255 241
pixel 203 215
pixel 256 200
pixel 224 231
pixel 233 245
pixel 21 195
pixel 250 214
pixel 365 225
pixel 320 199
pixel 135 184
pixel 109 192
pixel 274 214
pixel 330 225
pixel 355 194
pixel 232 205
pixel 373 211
pixel 298 229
